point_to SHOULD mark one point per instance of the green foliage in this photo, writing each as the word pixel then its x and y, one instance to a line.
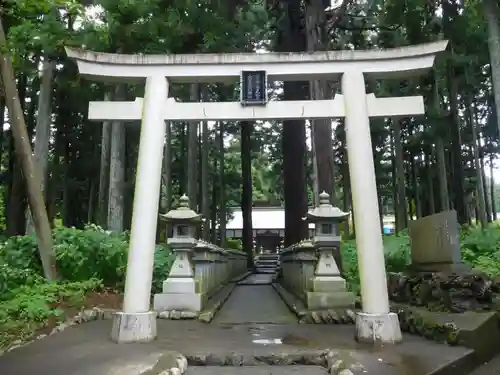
pixel 81 255
pixel 87 260
pixel 232 243
pixel 480 249
pixel 31 307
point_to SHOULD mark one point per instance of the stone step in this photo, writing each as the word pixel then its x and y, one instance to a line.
pixel 265 270
pixel 260 265
pixel 274 261
pixel 268 256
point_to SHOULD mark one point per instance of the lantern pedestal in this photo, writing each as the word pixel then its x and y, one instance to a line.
pixel 191 302
pixel 329 289
pixel 133 327
pixel 378 328
pixel 329 292
pixel 179 291
pixel 178 294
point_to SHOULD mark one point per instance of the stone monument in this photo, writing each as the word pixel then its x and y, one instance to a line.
pixel 435 243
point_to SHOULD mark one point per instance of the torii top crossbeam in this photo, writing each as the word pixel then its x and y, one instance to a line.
pixel 396 62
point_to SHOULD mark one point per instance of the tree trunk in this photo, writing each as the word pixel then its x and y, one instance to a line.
pixel 167 167
pixel 321 130
pixel 246 189
pixel 401 201
pixel 416 187
pixel 450 11
pixel 492 189
pixel 116 200
pixel 24 152
pixel 42 130
pixel 104 171
pixel 192 152
pixel 477 165
pixel 222 195
pixel 205 188
pixel 430 180
pixel 291 38
pixel 214 203
pixel 492 15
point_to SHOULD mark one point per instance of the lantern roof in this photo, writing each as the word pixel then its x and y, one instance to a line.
pixel 182 213
pixel 325 211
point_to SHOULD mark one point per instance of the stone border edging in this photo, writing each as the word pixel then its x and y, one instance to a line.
pixel 84 316
pixel 329 316
pixel 215 303
pixel 169 363
pixel 336 362
pixel 208 314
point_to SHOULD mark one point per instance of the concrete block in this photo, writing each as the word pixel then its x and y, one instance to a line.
pixel 329 300
pixel 178 301
pixel 328 284
pixel 378 328
pixel 184 285
pixel 133 327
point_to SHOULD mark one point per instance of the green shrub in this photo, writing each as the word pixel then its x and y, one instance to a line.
pixel 481 249
pixel 91 253
pixel 30 307
pixel 397 257
pixel 233 244
pixel 86 259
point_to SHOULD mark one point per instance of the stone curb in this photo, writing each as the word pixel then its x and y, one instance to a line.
pixel 330 316
pixel 336 362
pixel 170 363
pixel 83 316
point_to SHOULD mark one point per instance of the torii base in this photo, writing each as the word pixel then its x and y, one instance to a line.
pixel 133 327
pixel 378 328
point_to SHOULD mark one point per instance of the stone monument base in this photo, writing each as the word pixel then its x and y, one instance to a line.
pixel 378 328
pixel 133 327
pixel 457 268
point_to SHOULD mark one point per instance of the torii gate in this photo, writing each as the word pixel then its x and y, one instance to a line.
pixel 137 322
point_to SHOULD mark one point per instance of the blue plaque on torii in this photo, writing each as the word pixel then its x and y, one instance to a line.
pixel 253 87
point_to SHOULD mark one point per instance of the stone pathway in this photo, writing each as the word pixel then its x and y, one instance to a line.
pixel 250 304
pixel 254 329
pixel 257 279
pixel 490 368
pixel 87 350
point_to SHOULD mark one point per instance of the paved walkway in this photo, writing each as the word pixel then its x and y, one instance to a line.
pixel 490 368
pixel 240 335
pixel 254 304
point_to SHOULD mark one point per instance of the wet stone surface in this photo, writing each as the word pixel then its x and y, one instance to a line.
pixel 258 370
pixel 254 304
pixel 241 335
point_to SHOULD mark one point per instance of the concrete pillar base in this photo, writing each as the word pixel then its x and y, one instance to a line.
pixel 133 327
pixel 378 328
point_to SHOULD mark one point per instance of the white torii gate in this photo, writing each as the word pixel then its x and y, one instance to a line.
pixel 375 323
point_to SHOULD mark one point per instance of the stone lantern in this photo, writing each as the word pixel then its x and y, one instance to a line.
pixel 329 288
pixel 179 289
